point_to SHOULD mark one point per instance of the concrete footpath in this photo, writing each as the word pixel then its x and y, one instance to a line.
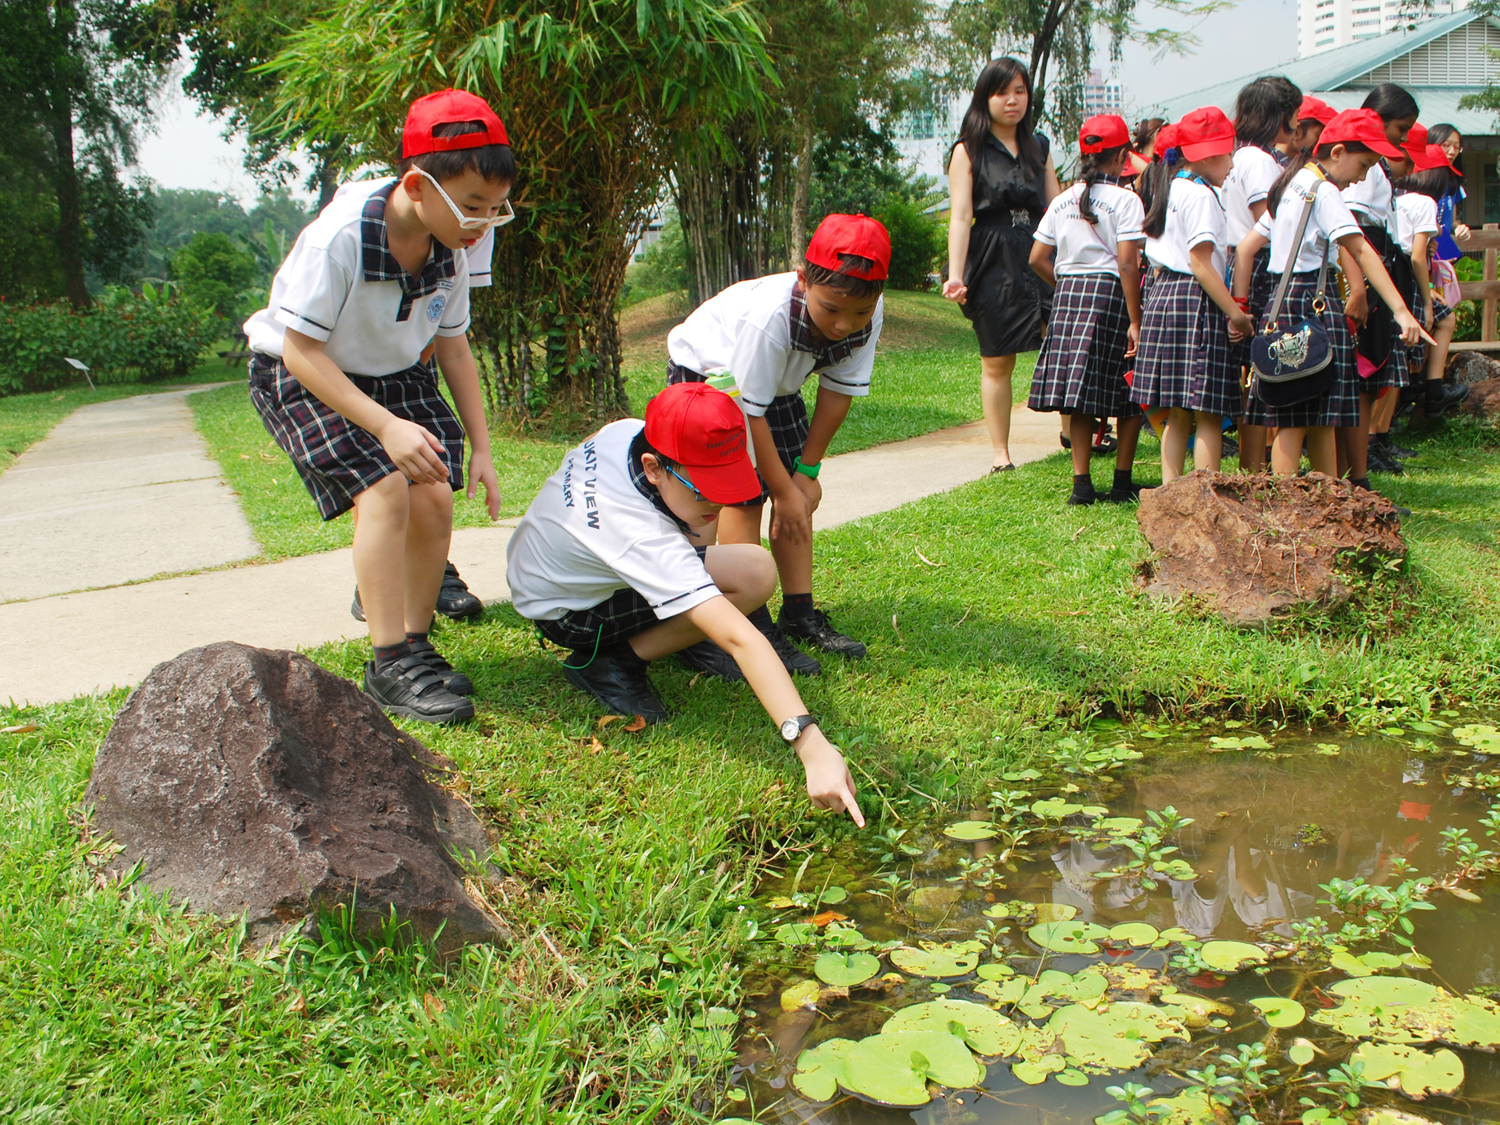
pixel 65 645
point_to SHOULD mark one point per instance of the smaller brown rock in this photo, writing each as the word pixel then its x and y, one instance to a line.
pixel 1471 368
pixel 1484 399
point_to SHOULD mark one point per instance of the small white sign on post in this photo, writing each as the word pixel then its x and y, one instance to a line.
pixel 81 366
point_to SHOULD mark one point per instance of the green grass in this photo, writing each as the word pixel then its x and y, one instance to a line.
pixel 27 419
pixel 926 378
pixel 635 852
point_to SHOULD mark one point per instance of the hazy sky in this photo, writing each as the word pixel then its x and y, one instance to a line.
pixel 187 151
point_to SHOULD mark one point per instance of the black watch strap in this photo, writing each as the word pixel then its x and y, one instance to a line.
pixel 801 722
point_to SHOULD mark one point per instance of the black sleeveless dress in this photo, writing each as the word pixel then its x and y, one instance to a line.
pixel 1007 302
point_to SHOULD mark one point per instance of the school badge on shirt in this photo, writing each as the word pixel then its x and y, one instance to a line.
pixel 435 308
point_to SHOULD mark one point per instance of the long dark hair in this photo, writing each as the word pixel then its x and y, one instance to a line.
pixel 1145 130
pixel 1090 164
pixel 1156 190
pixel 996 78
pixel 1264 108
pixel 1278 189
pixel 1441 133
pixel 1433 182
pixel 1392 102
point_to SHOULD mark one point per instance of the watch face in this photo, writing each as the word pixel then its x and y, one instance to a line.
pixel 790 730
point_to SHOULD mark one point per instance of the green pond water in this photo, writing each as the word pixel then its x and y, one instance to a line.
pixel 1074 877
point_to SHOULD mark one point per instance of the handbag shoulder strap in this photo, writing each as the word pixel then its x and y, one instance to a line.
pixel 1286 274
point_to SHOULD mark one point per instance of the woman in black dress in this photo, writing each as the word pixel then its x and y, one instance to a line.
pixel 1001 178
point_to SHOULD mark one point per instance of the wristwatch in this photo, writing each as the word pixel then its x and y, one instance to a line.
pixel 806 470
pixel 792 728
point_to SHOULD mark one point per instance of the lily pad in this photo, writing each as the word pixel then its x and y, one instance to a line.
pixel 846 969
pixel 1416 1073
pixel 995 970
pixel 1055 911
pixel 803 994
pixel 937 960
pixel 1134 933
pixel 1120 825
pixel 1198 1011
pixel 819 1069
pixel 985 1030
pixel 1034 1072
pixel 1365 964
pixel 1231 956
pixel 1406 1010
pixel 1068 937
pixel 972 830
pixel 1190 1107
pixel 1072 1077
pixel 1301 1051
pixel 893 1069
pixel 1179 935
pixel 1009 991
pixel 1278 1011
pixel 1055 808
pixel 1481 736
pixel 833 895
pixel 1115 1037
pixel 1238 742
pixel 796 933
pixel 845 937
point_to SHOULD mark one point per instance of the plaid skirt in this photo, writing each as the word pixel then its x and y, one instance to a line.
pixel 1340 406
pixel 1082 366
pixel 1416 354
pixel 336 459
pixel 1184 360
pixel 786 417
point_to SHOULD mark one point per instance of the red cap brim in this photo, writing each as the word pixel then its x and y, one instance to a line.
pixel 1202 150
pixel 734 483
pixel 1383 147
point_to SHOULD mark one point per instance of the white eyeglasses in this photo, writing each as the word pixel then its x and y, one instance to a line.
pixel 471 222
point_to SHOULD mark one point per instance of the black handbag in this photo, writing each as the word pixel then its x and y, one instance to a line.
pixel 1294 364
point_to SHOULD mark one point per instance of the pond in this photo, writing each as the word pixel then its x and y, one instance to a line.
pixel 1257 925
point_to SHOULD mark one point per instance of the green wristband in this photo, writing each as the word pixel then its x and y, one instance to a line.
pixel 811 471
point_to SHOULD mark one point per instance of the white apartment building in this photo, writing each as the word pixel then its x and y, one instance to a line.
pixel 1102 95
pixel 1323 25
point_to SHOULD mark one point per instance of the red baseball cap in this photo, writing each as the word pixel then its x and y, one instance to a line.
pixel 1166 137
pixel 1316 109
pixel 1108 130
pixel 1433 156
pixel 1416 140
pixel 447 107
pixel 858 235
pixel 1205 132
pixel 1362 125
pixel 702 429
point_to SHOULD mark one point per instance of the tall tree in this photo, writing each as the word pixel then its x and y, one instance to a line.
pixel 594 94
pixel 71 101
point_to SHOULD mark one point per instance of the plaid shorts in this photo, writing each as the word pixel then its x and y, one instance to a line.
pixel 786 416
pixel 616 619
pixel 1184 360
pixel 336 459
pixel 1082 366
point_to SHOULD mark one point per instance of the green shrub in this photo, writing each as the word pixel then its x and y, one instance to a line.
pixel 1466 325
pixel 662 268
pixel 125 337
pixel 916 241
pixel 214 272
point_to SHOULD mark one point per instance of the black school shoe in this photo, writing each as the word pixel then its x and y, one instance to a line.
pixel 454 599
pixel 454 680
pixel 705 656
pixel 1378 460
pixel 617 678
pixel 410 688
pixel 811 626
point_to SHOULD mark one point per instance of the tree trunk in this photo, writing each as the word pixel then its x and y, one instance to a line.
pixel 797 242
pixel 70 233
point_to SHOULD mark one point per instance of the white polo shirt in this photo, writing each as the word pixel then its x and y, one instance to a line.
pixel 747 330
pixel 1371 197
pixel 1330 220
pixel 590 532
pixel 352 294
pixel 1084 247
pixel 1194 216
pixel 1415 212
pixel 1249 181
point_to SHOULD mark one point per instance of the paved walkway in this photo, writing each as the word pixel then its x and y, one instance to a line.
pixel 80 642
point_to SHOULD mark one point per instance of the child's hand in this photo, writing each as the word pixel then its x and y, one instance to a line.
pixel 1461 232
pixel 1357 307
pixel 811 490
pixel 791 515
pixel 1241 327
pixel 830 785
pixel 1132 339
pixel 956 291
pixel 1427 316
pixel 1411 331
pixel 416 452
pixel 482 471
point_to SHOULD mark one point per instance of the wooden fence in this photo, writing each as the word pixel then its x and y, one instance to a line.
pixel 1486 292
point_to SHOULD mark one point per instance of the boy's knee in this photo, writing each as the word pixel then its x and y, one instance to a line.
pixel 386 499
pixel 745 573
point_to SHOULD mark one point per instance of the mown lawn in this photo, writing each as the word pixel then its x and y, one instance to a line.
pixel 634 854
pixel 926 378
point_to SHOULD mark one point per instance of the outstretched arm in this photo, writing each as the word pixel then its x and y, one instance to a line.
pixel 960 222
pixel 1380 281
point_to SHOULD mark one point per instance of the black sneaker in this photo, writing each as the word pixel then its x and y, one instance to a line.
pixel 454 680
pixel 616 678
pixel 1380 461
pixel 812 626
pixel 454 599
pixel 792 658
pixel 705 656
pixel 356 610
pixel 410 688
pixel 1447 397
pixel 1127 495
pixel 1389 448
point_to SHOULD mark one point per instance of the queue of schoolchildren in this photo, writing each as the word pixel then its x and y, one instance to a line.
pixel 647 540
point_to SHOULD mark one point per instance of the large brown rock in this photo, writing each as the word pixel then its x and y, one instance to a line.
pixel 254 784
pixel 1484 399
pixel 1471 368
pixel 1253 546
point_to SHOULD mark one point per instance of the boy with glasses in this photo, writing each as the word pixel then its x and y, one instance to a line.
pixel 612 562
pixel 373 290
